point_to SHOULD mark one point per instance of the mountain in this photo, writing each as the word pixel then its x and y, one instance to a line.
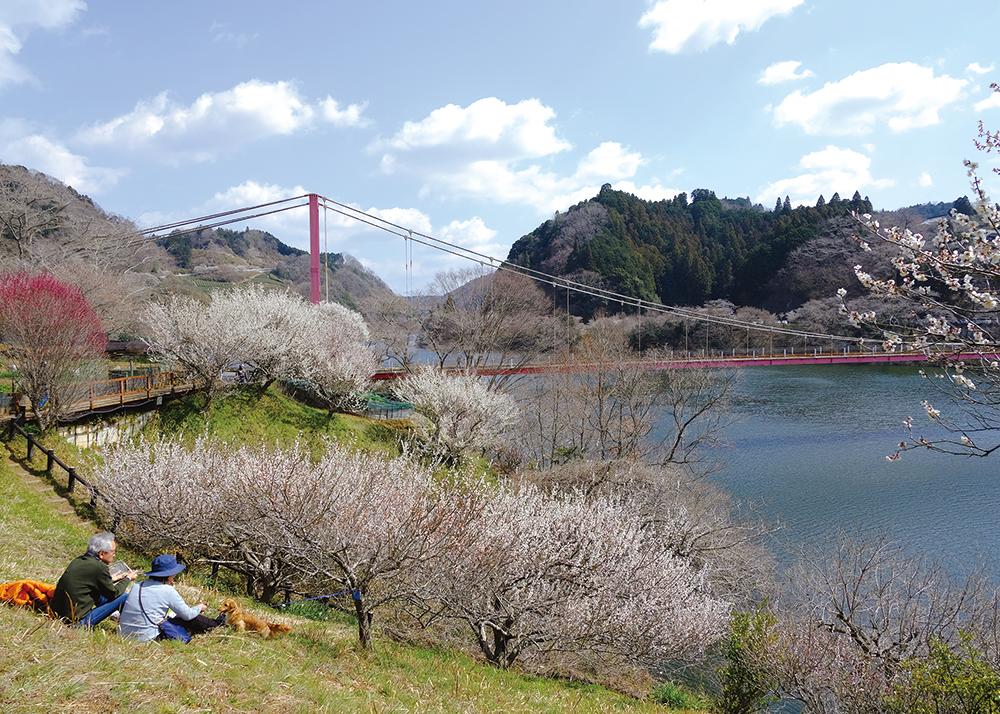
pixel 45 223
pixel 219 256
pixel 687 252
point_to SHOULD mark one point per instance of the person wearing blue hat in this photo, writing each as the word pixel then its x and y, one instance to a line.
pixel 145 614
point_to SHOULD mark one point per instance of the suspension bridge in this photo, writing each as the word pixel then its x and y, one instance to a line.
pixel 817 348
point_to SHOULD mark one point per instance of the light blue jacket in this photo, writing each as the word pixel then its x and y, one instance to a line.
pixel 157 598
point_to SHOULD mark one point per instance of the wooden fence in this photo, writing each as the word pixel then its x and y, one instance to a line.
pixel 14 429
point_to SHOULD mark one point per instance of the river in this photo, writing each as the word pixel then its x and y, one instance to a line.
pixel 808 449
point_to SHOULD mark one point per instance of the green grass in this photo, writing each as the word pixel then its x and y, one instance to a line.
pixel 680 697
pixel 45 666
pixel 274 418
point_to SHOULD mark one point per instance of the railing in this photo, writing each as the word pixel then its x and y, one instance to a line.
pixel 14 429
pixel 714 358
pixel 116 392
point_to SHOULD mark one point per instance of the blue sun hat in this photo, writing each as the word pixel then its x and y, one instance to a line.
pixel 165 565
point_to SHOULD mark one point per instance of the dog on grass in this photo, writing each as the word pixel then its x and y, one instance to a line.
pixel 241 620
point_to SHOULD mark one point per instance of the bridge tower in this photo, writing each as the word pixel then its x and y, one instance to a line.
pixel 313 248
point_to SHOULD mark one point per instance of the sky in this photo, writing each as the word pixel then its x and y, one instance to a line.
pixel 475 122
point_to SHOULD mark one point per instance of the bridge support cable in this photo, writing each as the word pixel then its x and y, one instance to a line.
pixel 225 214
pixel 557 281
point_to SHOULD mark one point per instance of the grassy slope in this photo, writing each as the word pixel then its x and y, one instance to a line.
pixel 46 666
pixel 274 418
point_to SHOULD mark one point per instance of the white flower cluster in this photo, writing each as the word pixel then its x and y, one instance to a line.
pixel 280 335
pixel 527 570
pixel 461 413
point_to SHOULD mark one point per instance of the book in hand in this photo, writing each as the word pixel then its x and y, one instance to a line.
pixel 119 570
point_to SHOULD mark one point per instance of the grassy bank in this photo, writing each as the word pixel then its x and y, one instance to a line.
pixel 46 666
pixel 273 418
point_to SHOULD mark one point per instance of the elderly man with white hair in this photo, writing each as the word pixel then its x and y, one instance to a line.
pixel 85 594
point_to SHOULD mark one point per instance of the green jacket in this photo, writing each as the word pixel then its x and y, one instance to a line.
pixel 86 579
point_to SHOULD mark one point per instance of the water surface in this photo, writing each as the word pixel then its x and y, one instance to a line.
pixel 809 450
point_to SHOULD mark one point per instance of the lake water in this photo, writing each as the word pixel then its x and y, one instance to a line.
pixel 809 451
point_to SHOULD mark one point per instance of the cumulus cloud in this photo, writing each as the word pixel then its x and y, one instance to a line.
pixel 493 150
pixel 780 72
pixel 680 25
pixel 991 102
pixel 217 121
pixel 488 126
pixel 977 68
pixel 901 95
pixel 830 170
pixel 925 180
pixel 18 18
pixel 20 144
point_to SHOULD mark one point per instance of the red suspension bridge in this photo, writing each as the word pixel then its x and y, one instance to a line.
pixel 828 349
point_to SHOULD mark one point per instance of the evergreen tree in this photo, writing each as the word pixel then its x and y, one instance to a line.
pixel 787 207
pixel 963 205
pixel 820 202
pixel 777 205
pixel 835 200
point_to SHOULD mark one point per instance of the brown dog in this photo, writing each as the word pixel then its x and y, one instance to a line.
pixel 242 620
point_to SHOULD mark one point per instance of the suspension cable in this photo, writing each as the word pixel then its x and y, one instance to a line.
pixel 212 216
pixel 553 280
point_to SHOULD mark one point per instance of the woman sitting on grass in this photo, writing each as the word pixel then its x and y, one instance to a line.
pixel 144 616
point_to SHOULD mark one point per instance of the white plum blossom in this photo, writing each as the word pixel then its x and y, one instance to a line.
pixel 281 335
pixel 461 413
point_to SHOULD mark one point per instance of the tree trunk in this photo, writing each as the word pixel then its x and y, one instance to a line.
pixel 364 622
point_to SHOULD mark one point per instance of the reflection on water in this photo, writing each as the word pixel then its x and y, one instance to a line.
pixel 809 450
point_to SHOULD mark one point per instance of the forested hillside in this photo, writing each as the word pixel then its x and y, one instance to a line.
pixel 689 251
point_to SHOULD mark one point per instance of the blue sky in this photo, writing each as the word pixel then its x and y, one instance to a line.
pixel 477 121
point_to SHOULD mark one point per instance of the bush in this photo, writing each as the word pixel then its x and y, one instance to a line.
pixel 948 681
pixel 747 685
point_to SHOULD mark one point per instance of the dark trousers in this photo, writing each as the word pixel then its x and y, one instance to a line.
pixel 198 626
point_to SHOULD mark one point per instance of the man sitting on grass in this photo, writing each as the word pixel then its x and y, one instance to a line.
pixel 85 594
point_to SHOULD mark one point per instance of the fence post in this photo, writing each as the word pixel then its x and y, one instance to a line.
pixel 215 572
pixel 121 392
pixel 31 447
pixel 71 481
pixel 48 462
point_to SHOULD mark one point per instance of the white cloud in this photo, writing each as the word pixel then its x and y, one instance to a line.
pixel 217 121
pixel 223 34
pixel 977 68
pixel 491 150
pixel 991 102
pixel 608 162
pixel 901 95
pixel 488 126
pixel 680 25
pixel 780 72
pixel 648 192
pixel 19 144
pixel 351 115
pixel 827 171
pixel 925 180
pixel 18 18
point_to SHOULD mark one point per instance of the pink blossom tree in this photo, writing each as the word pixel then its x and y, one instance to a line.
pixel 53 340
